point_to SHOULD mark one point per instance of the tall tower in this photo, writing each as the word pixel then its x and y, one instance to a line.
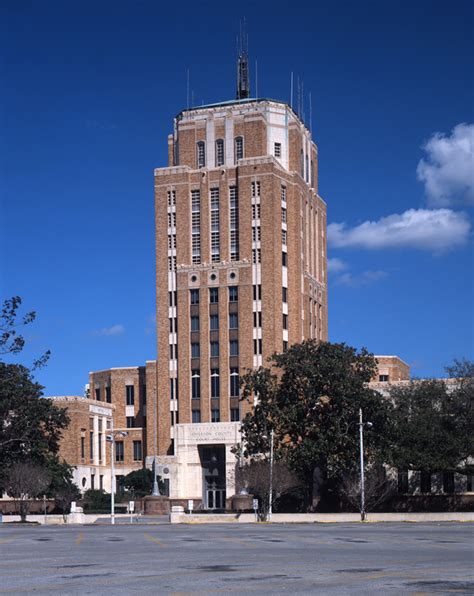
pixel 240 255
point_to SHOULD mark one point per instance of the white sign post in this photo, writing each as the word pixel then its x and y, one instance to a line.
pixel 255 508
pixel 131 508
pixel 190 505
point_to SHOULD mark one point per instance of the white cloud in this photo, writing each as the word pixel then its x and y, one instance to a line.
pixel 336 265
pixel 448 169
pixel 361 279
pixel 436 230
pixel 109 331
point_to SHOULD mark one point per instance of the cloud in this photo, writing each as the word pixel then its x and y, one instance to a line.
pixel 110 331
pixel 448 169
pixel 336 265
pixel 361 279
pixel 436 230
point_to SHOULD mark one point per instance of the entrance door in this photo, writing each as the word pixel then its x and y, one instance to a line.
pixel 213 468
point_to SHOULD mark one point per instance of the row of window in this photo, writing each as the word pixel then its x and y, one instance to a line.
pixel 233 292
pixel 214 322
pixel 119 449
pixel 234 383
pixel 129 394
pixel 214 349
pixel 216 415
pixel 219 152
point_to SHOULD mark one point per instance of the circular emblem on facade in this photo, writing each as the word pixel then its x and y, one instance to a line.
pixel 166 470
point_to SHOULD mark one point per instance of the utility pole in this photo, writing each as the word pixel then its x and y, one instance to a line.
pixel 270 492
pixel 362 476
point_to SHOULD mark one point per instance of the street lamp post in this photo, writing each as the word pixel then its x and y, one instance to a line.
pixel 111 439
pixel 362 470
pixel 270 492
pixel 156 489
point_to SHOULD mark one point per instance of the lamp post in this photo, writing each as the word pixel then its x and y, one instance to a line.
pixel 156 489
pixel 111 439
pixel 362 472
pixel 270 492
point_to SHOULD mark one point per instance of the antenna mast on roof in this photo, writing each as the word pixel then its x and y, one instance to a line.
pixel 243 79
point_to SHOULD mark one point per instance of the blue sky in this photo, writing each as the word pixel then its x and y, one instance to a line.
pixel 89 91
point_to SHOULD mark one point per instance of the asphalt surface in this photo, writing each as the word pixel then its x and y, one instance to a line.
pixel 191 560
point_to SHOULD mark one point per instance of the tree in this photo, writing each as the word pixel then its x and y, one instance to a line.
pixel 26 481
pixel 62 488
pixel 254 476
pixel 310 397
pixel 433 422
pixel 140 482
pixel 379 488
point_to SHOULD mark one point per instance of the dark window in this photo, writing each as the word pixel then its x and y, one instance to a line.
pixel 119 453
pixel 383 378
pixel 214 322
pixel 215 385
pixel 277 151
pixel 194 323
pixel 91 445
pixel 83 447
pixel 144 395
pixel 402 481
pixel 215 416
pixel 97 394
pixel 257 319
pixel 285 321
pixel 130 395
pixel 213 295
pixel 101 482
pixel 108 395
pixel 233 347
pixel 130 421
pixel 469 483
pixel 196 416
pixel 214 349
pixel 257 346
pixel 239 148
pixel 201 154
pixel 195 384
pixel 257 292
pixel 448 482
pixel 100 446
pixel 137 450
pixel 233 294
pixel 93 481
pixel 234 382
pixel 285 346
pixel 234 415
pixel 233 320
pixel 284 294
pixel 195 350
pixel 194 296
pixel 219 152
pixel 284 259
pixel 425 482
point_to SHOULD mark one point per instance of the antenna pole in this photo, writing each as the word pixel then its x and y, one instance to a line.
pixel 291 90
pixel 310 114
pixel 256 78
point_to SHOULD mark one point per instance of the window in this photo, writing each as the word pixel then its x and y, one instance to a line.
pixel 285 321
pixel 312 174
pixel 108 395
pixel 257 319
pixel 402 481
pixel 195 384
pixel 213 295
pixel 215 384
pixel 101 482
pixel 130 395
pixel 214 322
pixel 234 415
pixel 215 236
pixel 233 347
pixel 172 220
pixel 234 382
pixel 219 152
pixel 448 482
pixel 201 154
pixel 255 186
pixel 234 223
pixel 171 198
pixel 283 193
pixel 256 211
pixel 172 242
pixel 383 378
pixel 425 482
pixel 214 349
pixel 284 294
pixel 173 388
pixel 302 163
pixel 233 320
pixel 285 346
pixel 194 296
pixel 130 421
pixel 171 263
pixel 144 395
pixel 257 347
pixel 215 416
pixel 233 294
pixel 195 350
pixel 194 323
pixel 196 226
pixel 173 351
pixel 284 259
pixel 137 450
pixel 91 445
pixel 119 452
pixel 83 447
pixel 239 148
pixel 92 481
pixel 283 215
pixel 256 233
pixel 256 255
pixel 196 416
pixel 277 150
pixel 257 292
pixel 97 394
pixel 284 237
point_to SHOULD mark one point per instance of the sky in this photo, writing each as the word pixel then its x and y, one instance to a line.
pixel 89 92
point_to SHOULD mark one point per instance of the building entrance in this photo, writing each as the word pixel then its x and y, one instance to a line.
pixel 213 475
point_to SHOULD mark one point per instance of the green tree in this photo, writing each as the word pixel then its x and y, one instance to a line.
pixel 140 483
pixel 310 397
pixel 433 422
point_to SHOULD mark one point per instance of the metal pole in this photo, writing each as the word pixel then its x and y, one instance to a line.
pixel 362 477
pixel 270 494
pixel 44 509
pixel 112 481
pixel 156 489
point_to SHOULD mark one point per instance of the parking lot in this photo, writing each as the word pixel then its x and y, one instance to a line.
pixel 188 560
